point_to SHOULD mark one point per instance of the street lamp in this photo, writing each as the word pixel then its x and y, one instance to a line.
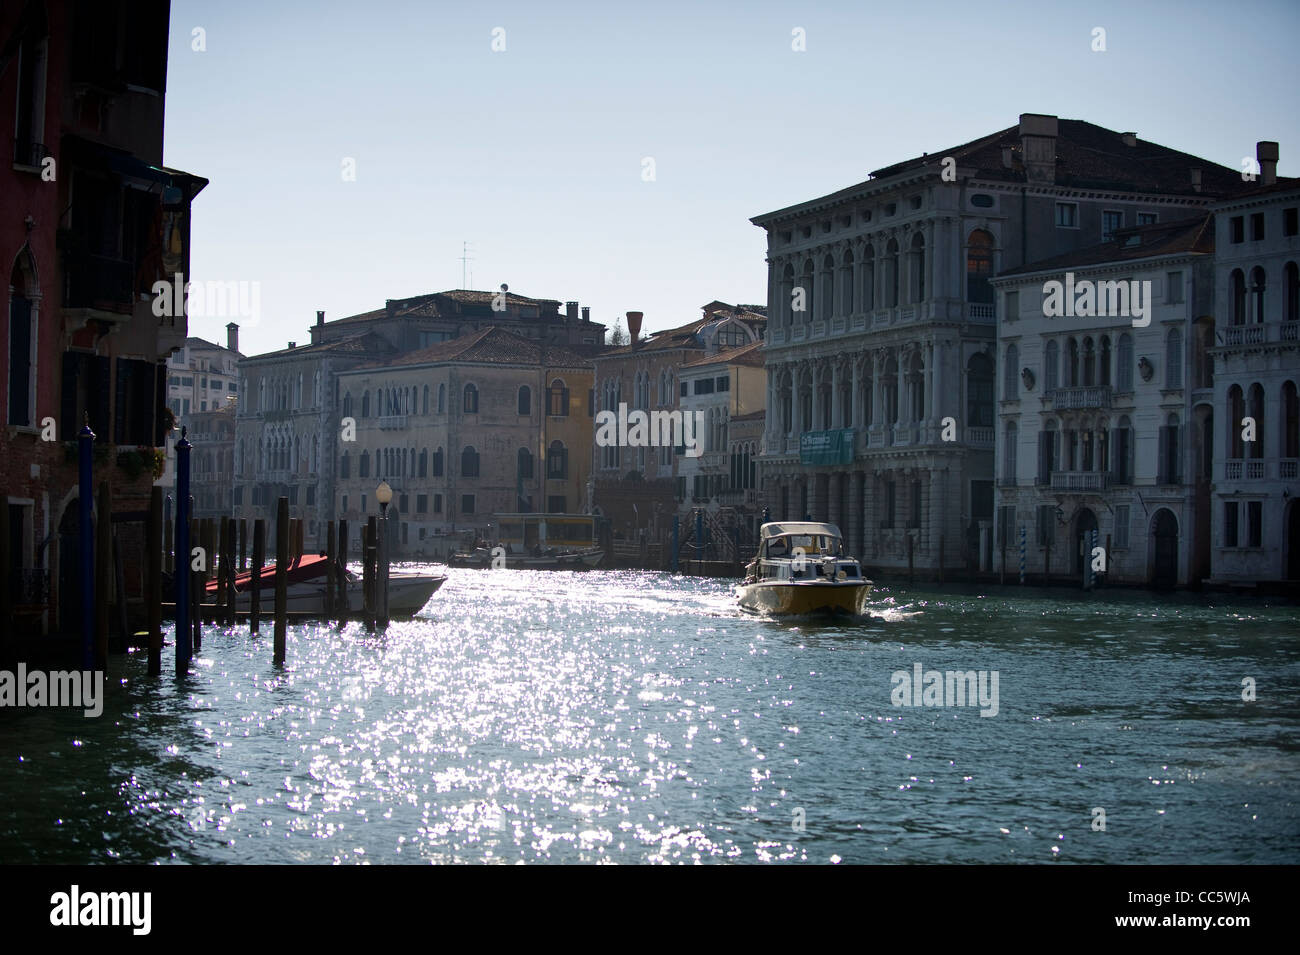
pixel 383 494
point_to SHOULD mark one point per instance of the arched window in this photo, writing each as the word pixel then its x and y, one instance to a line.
pixel 424 462
pixel 979 391
pixel 1257 284
pixel 1051 364
pixel 365 404
pixel 1292 309
pixel 347 404
pixel 1124 363
pixel 1255 408
pixel 364 470
pixel 1103 366
pixel 525 400
pixel 524 464
pixel 1236 412
pixel 558 400
pixel 426 399
pixel 868 278
pixel 979 268
pixel 1174 359
pixel 442 399
pixel 847 282
pixel 1170 456
pixel 1238 316
pixel 557 461
pixel 1122 452
pixel 468 462
pixel 1011 375
pixel 891 274
pixel 916 269
pixel 1072 363
pixel 1089 362
pixel 1010 434
pixel 784 306
pixel 806 284
pixel 827 297
pixel 471 399
pixel 1290 421
pixel 435 464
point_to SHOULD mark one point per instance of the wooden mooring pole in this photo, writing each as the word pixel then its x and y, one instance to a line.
pixel 153 579
pixel 341 575
pixel 103 574
pixel 255 588
pixel 330 570
pixel 281 578
pixel 368 557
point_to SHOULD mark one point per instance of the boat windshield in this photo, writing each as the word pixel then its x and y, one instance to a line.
pixel 786 544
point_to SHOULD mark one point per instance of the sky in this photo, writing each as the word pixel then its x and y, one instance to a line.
pixel 536 154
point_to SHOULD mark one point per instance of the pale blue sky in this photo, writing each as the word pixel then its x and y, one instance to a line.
pixel 534 155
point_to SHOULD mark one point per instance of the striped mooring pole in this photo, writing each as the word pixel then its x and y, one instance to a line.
pixel 1022 555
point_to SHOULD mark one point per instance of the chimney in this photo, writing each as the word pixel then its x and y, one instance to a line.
pixel 1038 147
pixel 390 308
pixel 1006 157
pixel 586 313
pixel 320 318
pixel 634 326
pixel 1196 180
pixel 232 336
pixel 293 344
pixel 1130 139
pixel 571 311
pixel 1266 155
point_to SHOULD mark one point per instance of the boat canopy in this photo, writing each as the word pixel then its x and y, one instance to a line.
pixel 784 528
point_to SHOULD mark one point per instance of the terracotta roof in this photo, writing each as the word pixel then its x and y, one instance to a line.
pixel 1134 244
pixel 1088 156
pixel 427 305
pixel 491 345
pixel 362 344
pixel 1252 190
pixel 751 354
pixel 684 336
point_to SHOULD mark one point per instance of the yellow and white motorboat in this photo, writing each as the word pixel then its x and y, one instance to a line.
pixel 801 569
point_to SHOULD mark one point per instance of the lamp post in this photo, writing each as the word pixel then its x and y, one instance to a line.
pixel 383 494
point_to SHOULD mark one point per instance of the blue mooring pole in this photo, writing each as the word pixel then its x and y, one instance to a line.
pixel 85 461
pixel 184 638
pixel 1022 555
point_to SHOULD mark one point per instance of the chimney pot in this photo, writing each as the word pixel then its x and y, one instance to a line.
pixel 586 313
pixel 232 336
pixel 1038 134
pixel 634 326
pixel 1266 154
pixel 571 311
pixel 1196 180
pixel 293 344
pixel 1130 139
pixel 320 318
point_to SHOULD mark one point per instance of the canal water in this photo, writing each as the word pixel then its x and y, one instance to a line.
pixel 625 716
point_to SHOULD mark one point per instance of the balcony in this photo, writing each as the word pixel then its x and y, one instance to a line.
pixel 1288 469
pixel 979 437
pixel 1249 469
pixel 392 422
pixel 1246 336
pixel 1080 480
pixel 99 282
pixel 981 314
pixel 1088 398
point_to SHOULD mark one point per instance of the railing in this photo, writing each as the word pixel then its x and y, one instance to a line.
pixel 1232 469
pixel 1254 470
pixel 1064 399
pixel 29 585
pixel 96 281
pixel 392 422
pixel 907 315
pixel 1080 480
pixel 1288 469
pixel 984 314
pixel 1243 335
pixel 979 437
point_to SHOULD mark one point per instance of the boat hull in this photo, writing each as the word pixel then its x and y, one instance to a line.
pixel 407 596
pixel 788 598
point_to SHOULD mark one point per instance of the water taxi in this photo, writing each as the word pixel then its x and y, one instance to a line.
pixel 537 542
pixel 305 579
pixel 801 568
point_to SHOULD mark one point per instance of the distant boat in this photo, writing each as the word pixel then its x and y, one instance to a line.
pixel 305 589
pixel 482 557
pixel 800 568
pixel 538 542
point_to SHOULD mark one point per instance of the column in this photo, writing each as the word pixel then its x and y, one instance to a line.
pixel 877 390
pixel 900 380
pixel 855 399
pixel 836 485
pixel 837 410
pixel 936 402
pixel 928 385
pixel 816 396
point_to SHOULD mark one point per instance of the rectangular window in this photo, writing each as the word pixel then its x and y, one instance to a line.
pixel 1229 523
pixel 1254 523
pixel 1121 525
pixel 681 488
pixel 467 503
pixel 556 504
pixel 1013 306
pixel 1067 215
pixel 704 386
pixel 1111 222
pixel 1173 288
pixel 1290 221
pixel 915 518
pixel 311 495
pixel 1046 525
pixel 1147 218
pixel 345 503
pixel 1007 535
pixel 203 383
pixel 723 383
pixel 437 504
pixel 591 402
pixel 1237 227
pixel 363 504
pixel 1257 226
pixel 683 389
pixel 403 503
pixel 422 504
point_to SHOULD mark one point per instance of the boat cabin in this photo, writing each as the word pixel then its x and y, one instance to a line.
pixel 528 533
pixel 821 547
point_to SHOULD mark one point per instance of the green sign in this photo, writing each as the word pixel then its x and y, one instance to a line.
pixel 826 447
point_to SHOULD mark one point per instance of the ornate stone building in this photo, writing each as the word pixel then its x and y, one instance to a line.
pixel 881 347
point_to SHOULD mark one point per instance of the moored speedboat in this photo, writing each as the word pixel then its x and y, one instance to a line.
pixel 305 589
pixel 801 569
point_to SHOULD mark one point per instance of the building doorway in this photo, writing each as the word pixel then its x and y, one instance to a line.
pixel 1164 536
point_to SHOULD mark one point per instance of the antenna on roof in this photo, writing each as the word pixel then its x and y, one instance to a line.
pixel 465 259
